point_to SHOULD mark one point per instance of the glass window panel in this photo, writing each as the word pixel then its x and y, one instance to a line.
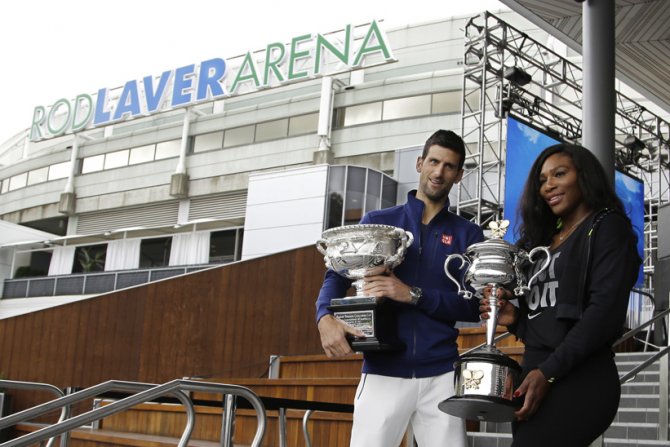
pixel 18 181
pixel 90 258
pixel 447 102
pixel 155 252
pixel 59 170
pixel 373 191
pixel 389 192
pixel 93 164
pixel 142 154
pixel 168 149
pixel 38 175
pixel 116 159
pixel 238 136
pixel 364 113
pixel 272 130
pixel 5 186
pixel 303 124
pixel 472 101
pixel 335 196
pixel 208 142
pixel 353 208
pixel 405 107
pixel 222 246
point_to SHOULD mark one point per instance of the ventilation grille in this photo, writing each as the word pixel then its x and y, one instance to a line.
pixel 230 205
pixel 153 215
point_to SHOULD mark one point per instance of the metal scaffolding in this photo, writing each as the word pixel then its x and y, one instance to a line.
pixel 507 71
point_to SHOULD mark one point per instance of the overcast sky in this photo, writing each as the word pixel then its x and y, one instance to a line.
pixel 59 49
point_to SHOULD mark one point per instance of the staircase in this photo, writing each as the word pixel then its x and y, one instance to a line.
pixel 636 422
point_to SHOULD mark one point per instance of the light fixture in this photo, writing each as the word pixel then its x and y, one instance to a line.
pixel 517 76
pixel 633 143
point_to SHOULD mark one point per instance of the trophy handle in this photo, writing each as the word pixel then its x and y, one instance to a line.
pixel 544 267
pixel 405 240
pixel 522 289
pixel 321 246
pixel 461 288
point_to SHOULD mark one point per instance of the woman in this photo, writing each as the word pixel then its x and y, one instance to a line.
pixel 577 307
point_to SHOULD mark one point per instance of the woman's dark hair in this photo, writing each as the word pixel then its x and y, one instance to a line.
pixel 538 223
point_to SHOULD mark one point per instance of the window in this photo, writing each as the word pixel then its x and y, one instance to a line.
pixel 353 207
pixel 18 181
pixel 142 154
pixel 406 107
pixel 116 159
pixel 225 246
pixel 303 124
pixel 272 130
pixel 238 136
pixel 448 102
pixel 168 149
pixel 155 252
pixel 59 170
pixel 364 113
pixel 208 142
pixel 38 175
pixel 89 258
pixel 93 164
pixel 366 190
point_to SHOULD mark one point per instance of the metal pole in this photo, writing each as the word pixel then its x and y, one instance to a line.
pixel 599 100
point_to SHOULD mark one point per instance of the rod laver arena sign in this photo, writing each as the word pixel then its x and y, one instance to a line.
pixel 305 57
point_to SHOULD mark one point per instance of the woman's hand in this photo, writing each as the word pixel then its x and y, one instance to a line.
pixel 506 310
pixel 534 387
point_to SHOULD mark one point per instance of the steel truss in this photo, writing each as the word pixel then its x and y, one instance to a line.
pixel 552 102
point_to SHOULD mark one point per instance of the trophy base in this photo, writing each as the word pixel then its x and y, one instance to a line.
pixel 376 319
pixel 483 408
pixel 484 383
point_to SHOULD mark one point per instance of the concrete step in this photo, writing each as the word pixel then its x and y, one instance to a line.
pixel 626 415
pixel 633 431
pixel 638 401
pixel 634 443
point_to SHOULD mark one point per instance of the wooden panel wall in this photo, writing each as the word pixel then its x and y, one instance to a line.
pixel 223 322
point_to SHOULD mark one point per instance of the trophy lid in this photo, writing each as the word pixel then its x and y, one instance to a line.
pixel 496 243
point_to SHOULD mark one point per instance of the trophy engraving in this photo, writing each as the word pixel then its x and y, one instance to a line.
pixel 356 251
pixel 493 263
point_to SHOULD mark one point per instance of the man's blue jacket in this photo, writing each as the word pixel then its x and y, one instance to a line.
pixel 428 328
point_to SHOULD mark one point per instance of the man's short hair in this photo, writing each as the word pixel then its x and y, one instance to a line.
pixel 448 140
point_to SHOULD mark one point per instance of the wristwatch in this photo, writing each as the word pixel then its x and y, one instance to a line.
pixel 415 294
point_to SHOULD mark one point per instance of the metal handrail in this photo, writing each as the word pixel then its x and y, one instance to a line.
pixel 641 327
pixel 176 387
pixel 37 386
pixel 67 401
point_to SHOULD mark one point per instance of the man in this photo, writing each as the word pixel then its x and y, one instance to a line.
pixel 398 388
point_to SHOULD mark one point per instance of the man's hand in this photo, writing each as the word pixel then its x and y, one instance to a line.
pixel 334 336
pixel 535 386
pixel 388 286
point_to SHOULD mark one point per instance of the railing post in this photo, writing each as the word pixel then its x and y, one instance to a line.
pixel 227 424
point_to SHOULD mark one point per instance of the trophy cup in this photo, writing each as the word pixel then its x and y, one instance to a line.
pixel 485 378
pixel 356 251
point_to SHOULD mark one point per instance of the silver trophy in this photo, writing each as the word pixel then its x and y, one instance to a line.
pixel 357 251
pixel 485 378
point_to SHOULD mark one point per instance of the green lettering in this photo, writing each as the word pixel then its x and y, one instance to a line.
pixel 39 115
pixel 368 45
pixel 343 56
pixel 247 65
pixel 295 55
pixel 272 63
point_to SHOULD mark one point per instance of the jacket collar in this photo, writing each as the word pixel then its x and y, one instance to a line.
pixel 416 206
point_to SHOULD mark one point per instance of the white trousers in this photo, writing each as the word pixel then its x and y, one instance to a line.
pixel 385 406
